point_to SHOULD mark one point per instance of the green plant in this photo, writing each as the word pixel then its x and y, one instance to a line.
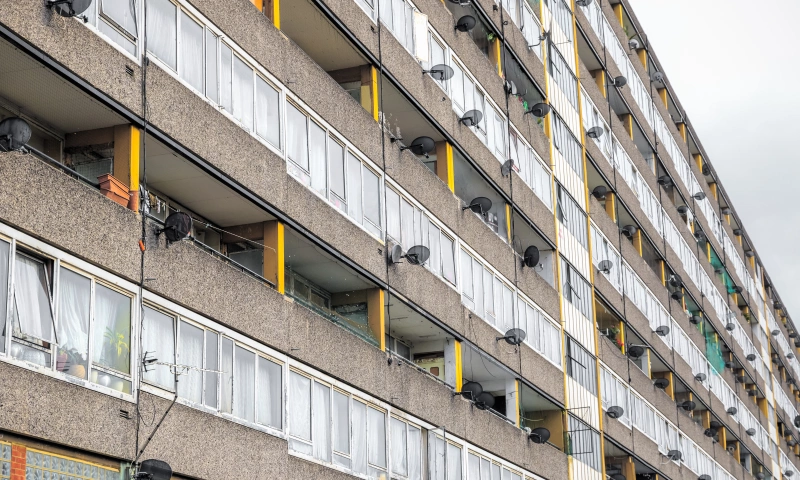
pixel 490 37
pixel 116 342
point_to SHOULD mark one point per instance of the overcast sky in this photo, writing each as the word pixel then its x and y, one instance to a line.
pixel 734 66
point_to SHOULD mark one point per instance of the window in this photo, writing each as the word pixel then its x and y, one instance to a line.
pixel 118 22
pixel 444 458
pixel 542 334
pixel 571 215
pixel 243 93
pixel 438 56
pixel 581 365
pixel 297 140
pixel 190 66
pixel 162 35
pixel 563 76
pixel 5 250
pixel 584 443
pixel 41 464
pixel 190 355
pixel 576 290
pixel 158 338
pixel 32 307
pixel 567 145
pixel 563 16
pixel 212 67
pixel 406 451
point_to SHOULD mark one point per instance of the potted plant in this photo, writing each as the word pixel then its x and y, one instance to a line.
pixel 71 361
pixel 116 352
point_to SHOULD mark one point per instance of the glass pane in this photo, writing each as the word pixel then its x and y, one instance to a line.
pixel 297 137
pixel 116 36
pixel 336 158
pixel 414 453
pixel 162 30
pixel 354 187
pixel 435 260
pixel 212 363
pixel 406 224
pixel 226 77
pixel 474 467
pixel 299 406
pixel 244 384
pixel 453 462
pixel 376 436
pixel 112 329
pixel 243 93
pixel 158 340
pixel 359 438
pixel 321 434
pixel 372 197
pixel 270 393
pixel 5 248
pixel 212 68
pixel 123 13
pixel 32 310
pixel 30 354
pixel 341 423
pixel 448 260
pixel 227 376
pixel 317 149
pixel 191 64
pixel 268 123
pixel 190 353
pixel 393 214
pixel 75 298
pixel 399 458
pixel 467 286
pixel 477 280
pixel 457 85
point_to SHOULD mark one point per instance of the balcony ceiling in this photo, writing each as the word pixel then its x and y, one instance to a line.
pixel 27 87
pixel 310 262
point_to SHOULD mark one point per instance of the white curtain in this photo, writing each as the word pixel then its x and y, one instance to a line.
pixel 244 384
pixel 32 299
pixel 73 320
pixel 321 414
pixel 226 376
pixel 376 437
pixel 158 340
pixel 341 423
pixel 297 137
pixel 212 363
pixel 4 250
pixel 268 112
pixel 398 448
pixel 453 462
pixel 190 353
pixel 299 406
pixel 191 64
pixel 123 12
pixel 112 329
pixel 359 438
pixel 243 97
pixel 414 453
pixel 226 78
pixel 162 30
pixel 212 66
pixel 269 393
pixel 372 197
pixel 318 164
pixel 354 187
pixel 473 467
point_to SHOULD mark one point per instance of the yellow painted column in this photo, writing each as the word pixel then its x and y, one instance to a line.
pixel 369 90
pixel 682 129
pixel 274 254
pixel 670 390
pixel 621 327
pixel 662 94
pixel 762 405
pixel 708 251
pixel 637 242
pixel 618 12
pixel 600 80
pixel 272 9
pixel 376 315
pixel 611 206
pixel 127 143
pixel 642 54
pixel 444 164
pixel 713 187
pixel 698 159
pixel 629 468
pixel 496 56
pixel 627 121
pixel 508 222
pixel 459 365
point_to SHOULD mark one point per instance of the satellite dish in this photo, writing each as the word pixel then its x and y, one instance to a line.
pixel 484 400
pixel 760 476
pixel 661 383
pixel 725 211
pixel 471 390
pixel 674 455
pixel 700 377
pixel 790 355
pixel 695 319
pixel 465 23
pixel 737 232
pixel 688 405
pixel 704 477
pixel 479 205
pixel 730 448
pixel 683 209
pixel 14 134
pixel 662 331
pixel 539 435
pixel 634 44
pixel 421 146
pixel 540 110
pixel 440 72
pixel 629 230
pixel 710 432
pixel 675 280
pixel 620 81
pixel 69 8
pixel 515 336
pixel 505 170
pixel 750 432
pixel 594 132
pixel 657 77
pixel 615 411
pixel 395 254
pixel 730 326
pixel 752 393
pixel 177 226
pixel 731 411
pixel 616 476
pixel 472 118
pixel 699 196
pixel 749 253
pixel 154 470
pixel 797 421
pixel 531 257
pixel 605 266
pixel 417 255
pixel 677 295
pixel 792 334
pixel 635 351
pixel 750 357
pixel 583 3
pixel 665 180
pixel 729 365
pixel 510 87
pixel 599 192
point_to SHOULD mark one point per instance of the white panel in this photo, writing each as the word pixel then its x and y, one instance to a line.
pixel 584 472
pixel 567 177
pixel 582 403
pixel 564 108
pixel 579 327
pixel 569 246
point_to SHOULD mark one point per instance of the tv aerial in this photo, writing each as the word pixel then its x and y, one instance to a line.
pixel 14 134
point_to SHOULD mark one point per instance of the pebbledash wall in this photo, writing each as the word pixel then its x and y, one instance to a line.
pixel 272 389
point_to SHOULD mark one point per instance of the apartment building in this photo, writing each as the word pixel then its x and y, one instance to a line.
pixel 382 239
